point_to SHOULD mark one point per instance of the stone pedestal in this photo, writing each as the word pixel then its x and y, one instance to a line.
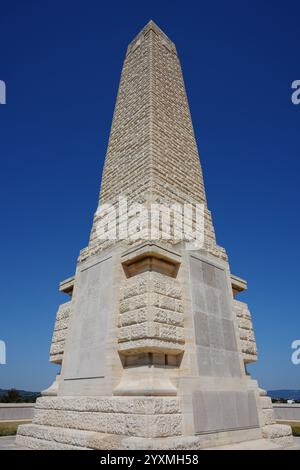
pixel 160 363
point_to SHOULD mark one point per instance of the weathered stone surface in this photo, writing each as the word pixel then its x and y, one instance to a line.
pixel 150 307
pixel 265 402
pixel 268 416
pixel 246 333
pixel 48 437
pixel 276 431
pixel 60 331
pixel 112 423
pixel 136 405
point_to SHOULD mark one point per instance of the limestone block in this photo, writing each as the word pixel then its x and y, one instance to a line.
pixel 245 323
pixel 267 416
pixel 41 444
pixel 276 431
pixel 133 303
pixel 265 402
pixel 60 332
pixel 136 405
pixel 246 333
pixel 61 324
pixel 56 358
pixel 150 308
pixel 57 348
pixel 248 347
pixel 64 311
pixel 280 434
pixel 59 335
pixel 134 286
pixel 112 423
pixel 150 345
pixel 134 316
pixel 49 437
pixel 169 317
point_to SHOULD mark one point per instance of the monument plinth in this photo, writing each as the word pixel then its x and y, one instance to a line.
pixel 153 344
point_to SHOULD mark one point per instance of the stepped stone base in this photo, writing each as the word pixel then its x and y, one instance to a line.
pixel 137 423
pixel 41 437
pixel 280 434
pixel 34 436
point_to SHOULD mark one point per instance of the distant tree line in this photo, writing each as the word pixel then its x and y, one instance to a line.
pixel 15 396
pixel 283 400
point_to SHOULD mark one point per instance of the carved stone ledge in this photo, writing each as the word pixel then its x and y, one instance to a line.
pixel 150 257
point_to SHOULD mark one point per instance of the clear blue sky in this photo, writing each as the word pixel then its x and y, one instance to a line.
pixel 61 61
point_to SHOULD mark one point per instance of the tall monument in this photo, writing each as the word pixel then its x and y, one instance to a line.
pixel 153 345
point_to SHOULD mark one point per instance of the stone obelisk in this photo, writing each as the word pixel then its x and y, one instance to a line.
pixel 153 344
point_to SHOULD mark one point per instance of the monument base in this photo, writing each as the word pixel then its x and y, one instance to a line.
pixel 132 423
pixel 53 438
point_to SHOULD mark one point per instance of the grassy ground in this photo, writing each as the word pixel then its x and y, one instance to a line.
pixel 296 430
pixel 9 428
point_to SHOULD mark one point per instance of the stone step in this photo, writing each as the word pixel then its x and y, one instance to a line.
pixel 258 444
pixel 112 423
pixel 280 434
pixel 118 404
pixel 34 436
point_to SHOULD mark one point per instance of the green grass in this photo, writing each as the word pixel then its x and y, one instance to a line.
pixel 296 430
pixel 8 428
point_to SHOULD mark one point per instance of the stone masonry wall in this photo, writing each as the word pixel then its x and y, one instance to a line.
pixel 152 154
pixel 60 332
pixel 151 314
pixel 247 338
